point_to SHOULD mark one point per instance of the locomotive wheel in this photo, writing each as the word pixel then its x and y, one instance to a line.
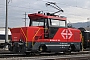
pixel 27 53
pixel 15 49
pixel 67 52
pixel 70 49
pixel 10 48
pixel 41 49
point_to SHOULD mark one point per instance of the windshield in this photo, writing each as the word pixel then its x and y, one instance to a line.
pixel 38 22
pixel 61 23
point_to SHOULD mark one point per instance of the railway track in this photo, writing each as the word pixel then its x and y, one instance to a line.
pixel 51 57
pixel 46 56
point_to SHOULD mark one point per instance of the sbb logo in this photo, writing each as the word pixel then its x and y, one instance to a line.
pixel 66 34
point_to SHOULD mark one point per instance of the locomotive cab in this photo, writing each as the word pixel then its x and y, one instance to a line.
pixel 50 24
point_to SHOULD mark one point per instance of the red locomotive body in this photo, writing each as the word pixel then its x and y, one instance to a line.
pixel 45 34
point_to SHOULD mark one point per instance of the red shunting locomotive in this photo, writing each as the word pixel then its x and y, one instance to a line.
pixel 46 33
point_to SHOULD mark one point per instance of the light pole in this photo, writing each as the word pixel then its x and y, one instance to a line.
pixel 25 19
pixel 6 23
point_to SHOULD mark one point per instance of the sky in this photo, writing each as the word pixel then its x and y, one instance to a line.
pixel 75 10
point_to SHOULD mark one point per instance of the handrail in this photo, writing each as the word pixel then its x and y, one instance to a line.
pixel 36 34
pixel 25 36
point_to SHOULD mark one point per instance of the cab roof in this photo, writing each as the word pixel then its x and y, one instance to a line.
pixel 38 16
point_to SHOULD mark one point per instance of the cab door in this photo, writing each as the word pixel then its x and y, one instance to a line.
pixel 46 28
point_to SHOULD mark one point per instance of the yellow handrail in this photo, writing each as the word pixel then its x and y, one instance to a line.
pixel 82 37
pixel 25 36
pixel 36 34
pixel 34 37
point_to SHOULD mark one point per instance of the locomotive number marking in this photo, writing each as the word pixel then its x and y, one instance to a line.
pixel 57 45
pixel 54 40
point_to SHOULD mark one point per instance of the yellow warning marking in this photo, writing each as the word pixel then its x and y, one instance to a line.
pixel 24 35
pixel 36 34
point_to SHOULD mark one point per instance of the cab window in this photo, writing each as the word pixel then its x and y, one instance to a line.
pixel 61 23
pixel 37 22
